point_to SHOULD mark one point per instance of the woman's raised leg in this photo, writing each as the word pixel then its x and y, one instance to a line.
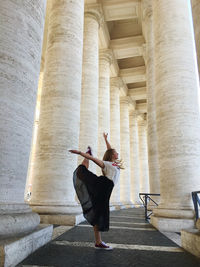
pixel 85 162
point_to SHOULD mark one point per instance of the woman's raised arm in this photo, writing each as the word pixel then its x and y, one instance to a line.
pixel 105 135
pixel 88 156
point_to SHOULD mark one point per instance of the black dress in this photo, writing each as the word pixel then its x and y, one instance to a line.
pixel 93 193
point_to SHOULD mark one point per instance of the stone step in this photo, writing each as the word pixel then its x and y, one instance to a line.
pixel 13 251
pixel 190 241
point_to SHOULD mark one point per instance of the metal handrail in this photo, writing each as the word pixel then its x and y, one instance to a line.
pixel 145 199
pixel 196 202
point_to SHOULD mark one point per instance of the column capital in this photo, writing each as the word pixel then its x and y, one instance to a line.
pixel 147 9
pixel 133 113
pixel 124 100
pixel 116 82
pixel 106 54
pixel 95 11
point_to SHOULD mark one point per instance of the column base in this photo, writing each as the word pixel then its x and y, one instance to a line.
pixel 171 224
pixel 190 240
pixel 13 251
pixel 16 224
pixel 58 214
pixel 57 209
pixel 116 206
pixel 176 212
pixel 137 204
pixel 62 219
pixel 127 205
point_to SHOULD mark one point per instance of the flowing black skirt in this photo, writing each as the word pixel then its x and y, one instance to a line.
pixel 94 194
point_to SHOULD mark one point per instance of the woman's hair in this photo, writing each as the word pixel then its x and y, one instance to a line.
pixel 108 156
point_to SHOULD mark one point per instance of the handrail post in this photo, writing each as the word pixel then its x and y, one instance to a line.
pixel 144 198
pixel 146 217
pixel 196 201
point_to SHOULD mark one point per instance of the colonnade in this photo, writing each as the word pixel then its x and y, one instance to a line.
pixel 80 100
pixel 97 99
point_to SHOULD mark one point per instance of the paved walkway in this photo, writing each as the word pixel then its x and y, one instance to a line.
pixel 136 244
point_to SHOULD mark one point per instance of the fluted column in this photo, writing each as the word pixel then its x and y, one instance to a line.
pixel 125 179
pixel 90 81
pixel 134 159
pixel 178 127
pixel 196 23
pixel 105 59
pixel 153 163
pixel 20 65
pixel 115 84
pixel 143 155
pixel 58 130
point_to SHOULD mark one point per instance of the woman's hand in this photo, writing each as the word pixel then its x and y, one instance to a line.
pixel 75 151
pixel 105 135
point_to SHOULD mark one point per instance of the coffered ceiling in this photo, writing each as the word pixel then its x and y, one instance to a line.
pixel 122 32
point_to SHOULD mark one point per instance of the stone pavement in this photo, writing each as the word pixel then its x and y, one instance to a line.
pixel 136 244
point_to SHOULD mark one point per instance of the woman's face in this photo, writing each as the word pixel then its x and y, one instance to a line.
pixel 115 155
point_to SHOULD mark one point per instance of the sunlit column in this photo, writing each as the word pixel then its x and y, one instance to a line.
pixel 134 158
pixel 90 81
pixel 28 189
pixel 177 113
pixel 154 179
pixel 143 155
pixel 125 179
pixel 58 129
pixel 115 84
pixel 20 65
pixel 105 59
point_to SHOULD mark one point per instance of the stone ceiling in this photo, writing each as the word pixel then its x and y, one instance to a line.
pixel 123 33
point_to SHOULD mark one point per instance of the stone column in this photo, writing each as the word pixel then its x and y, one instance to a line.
pixel 177 113
pixel 196 23
pixel 58 129
pixel 29 180
pixel 154 179
pixel 37 108
pixel 143 154
pixel 115 84
pixel 134 159
pixel 90 82
pixel 105 59
pixel 21 34
pixel 125 179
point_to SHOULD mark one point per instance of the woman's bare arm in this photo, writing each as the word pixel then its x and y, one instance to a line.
pixel 106 140
pixel 88 156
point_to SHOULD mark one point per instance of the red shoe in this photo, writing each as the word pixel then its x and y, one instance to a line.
pixel 103 245
pixel 89 151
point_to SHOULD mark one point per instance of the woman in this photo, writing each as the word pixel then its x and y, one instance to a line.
pixel 94 191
